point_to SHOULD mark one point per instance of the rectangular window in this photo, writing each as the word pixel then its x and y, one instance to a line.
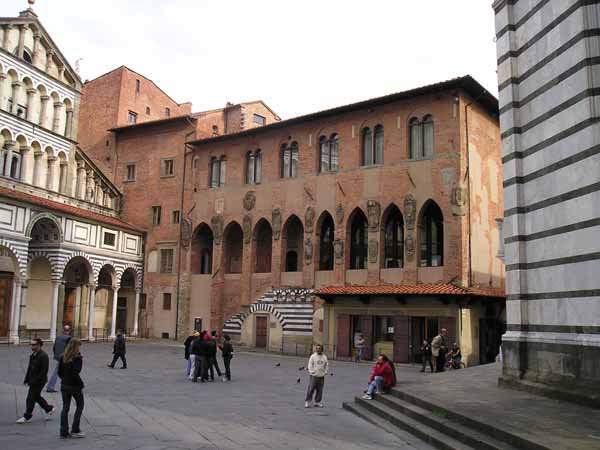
pixel 138 85
pixel 167 167
pixel 131 117
pixel 175 216
pixel 130 172
pixel 168 112
pixel 166 301
pixel 156 213
pixel 109 239
pixel 258 119
pixel 217 172
pixel 166 260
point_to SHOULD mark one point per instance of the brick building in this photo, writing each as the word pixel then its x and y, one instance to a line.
pixel 389 210
pixel 66 255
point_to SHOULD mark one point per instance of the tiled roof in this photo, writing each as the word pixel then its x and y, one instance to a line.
pixel 407 289
pixel 67 209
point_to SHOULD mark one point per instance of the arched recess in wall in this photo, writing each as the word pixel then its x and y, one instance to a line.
pixel 202 250
pixel 263 246
pixel 233 249
pixel 293 244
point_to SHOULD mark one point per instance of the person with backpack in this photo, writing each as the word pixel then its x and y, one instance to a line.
pixel 227 353
pixel 60 343
pixel 119 349
pixel 382 378
pixel 71 388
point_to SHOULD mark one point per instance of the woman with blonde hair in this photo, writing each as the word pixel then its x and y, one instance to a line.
pixel 69 370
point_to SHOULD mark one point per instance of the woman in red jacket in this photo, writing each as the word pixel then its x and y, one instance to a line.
pixel 381 378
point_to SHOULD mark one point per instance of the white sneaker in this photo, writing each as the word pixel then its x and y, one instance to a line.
pixel 23 420
pixel 224 378
pixel 79 435
pixel 307 404
pixel 367 397
pixel 49 414
pixel 319 405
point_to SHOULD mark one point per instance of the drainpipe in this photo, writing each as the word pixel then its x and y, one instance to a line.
pixel 181 219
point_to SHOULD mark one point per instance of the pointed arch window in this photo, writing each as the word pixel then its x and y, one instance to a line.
pixel 421 137
pixel 358 242
pixel 431 236
pixel 326 244
pixel 393 248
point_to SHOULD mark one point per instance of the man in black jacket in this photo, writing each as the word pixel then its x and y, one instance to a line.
pixel 201 349
pixel 227 351
pixel 119 351
pixel 36 377
pixel 212 357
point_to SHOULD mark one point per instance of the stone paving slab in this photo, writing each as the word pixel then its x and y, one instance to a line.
pixel 152 405
pixel 474 392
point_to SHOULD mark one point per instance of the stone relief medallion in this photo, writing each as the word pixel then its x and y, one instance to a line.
pixel 338 251
pixel 216 223
pixel 339 214
pixel 219 205
pixel 247 228
pixel 249 200
pixel 458 200
pixel 276 223
pixel 410 211
pixel 309 219
pixel 308 251
pixel 373 213
pixel 409 244
pixel 373 251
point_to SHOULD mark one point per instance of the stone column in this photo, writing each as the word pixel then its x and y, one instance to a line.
pixel 37 167
pixel 30 97
pixel 113 323
pixel 36 48
pixel 77 308
pixel 2 80
pixel 49 61
pixel 99 194
pixel 44 111
pixel 54 314
pixel 61 73
pixel 63 175
pixel 24 150
pixel 92 288
pixel 22 30
pixel 8 160
pixel 80 187
pixel 105 198
pixel 15 316
pixel 136 311
pixel 6 39
pixel 50 175
pixel 56 117
pixel 69 124
pixel 16 86
pixel 90 187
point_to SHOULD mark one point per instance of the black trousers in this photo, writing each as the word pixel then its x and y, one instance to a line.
pixel 427 360
pixel 117 356
pixel 440 362
pixel 227 363
pixel 67 395
pixel 212 362
pixel 35 396
pixel 200 368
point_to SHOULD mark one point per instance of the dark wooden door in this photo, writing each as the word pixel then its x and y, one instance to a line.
pixel 401 339
pixel 122 313
pixel 261 331
pixel 6 283
pixel 367 331
pixel 69 306
pixel 343 335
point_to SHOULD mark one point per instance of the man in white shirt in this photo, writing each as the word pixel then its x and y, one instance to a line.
pixel 317 368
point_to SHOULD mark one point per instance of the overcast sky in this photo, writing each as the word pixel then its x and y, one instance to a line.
pixel 298 56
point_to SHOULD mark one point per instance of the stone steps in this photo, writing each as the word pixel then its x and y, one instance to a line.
pixel 442 428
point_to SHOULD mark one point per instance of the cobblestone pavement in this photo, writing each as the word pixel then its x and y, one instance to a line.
pixel 152 406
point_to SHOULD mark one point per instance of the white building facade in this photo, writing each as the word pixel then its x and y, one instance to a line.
pixel 65 255
pixel 549 85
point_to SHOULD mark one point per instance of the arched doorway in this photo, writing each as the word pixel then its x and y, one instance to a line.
pixel 293 244
pixel 202 250
pixel 126 309
pixel 103 308
pixel 8 277
pixel 263 245
pixel 73 309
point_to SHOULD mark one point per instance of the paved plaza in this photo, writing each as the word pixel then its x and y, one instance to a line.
pixel 152 406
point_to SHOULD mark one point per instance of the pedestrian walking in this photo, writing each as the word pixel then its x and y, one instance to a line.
pixel 227 353
pixel 426 355
pixel 71 388
pixel 60 343
pixel 381 379
pixel 212 356
pixel 359 345
pixel 317 368
pixel 439 348
pixel 119 349
pixel 189 356
pixel 36 377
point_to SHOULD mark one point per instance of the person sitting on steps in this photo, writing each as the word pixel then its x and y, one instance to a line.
pixel 382 378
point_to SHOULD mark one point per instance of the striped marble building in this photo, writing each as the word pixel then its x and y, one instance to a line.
pixel 549 85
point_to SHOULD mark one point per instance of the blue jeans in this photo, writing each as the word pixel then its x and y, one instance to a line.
pixel 359 354
pixel 54 378
pixel 376 384
pixel 189 366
